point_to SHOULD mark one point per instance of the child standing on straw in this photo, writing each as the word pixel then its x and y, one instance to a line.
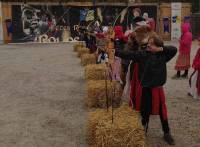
pixel 194 81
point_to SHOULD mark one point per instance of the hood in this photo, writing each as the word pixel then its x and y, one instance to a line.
pixel 185 27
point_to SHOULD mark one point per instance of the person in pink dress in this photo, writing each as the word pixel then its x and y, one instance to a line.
pixel 183 61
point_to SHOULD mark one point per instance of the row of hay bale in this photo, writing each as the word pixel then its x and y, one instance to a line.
pixel 111 123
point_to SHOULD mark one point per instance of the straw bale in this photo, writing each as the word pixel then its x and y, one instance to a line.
pixel 82 51
pixel 96 93
pixel 125 131
pixel 77 46
pixel 96 72
pixel 88 59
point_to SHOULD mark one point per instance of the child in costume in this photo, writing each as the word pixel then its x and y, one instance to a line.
pixel 194 81
pixel 183 61
pixel 119 42
pixel 152 76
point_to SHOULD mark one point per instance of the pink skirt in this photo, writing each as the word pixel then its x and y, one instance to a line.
pixel 183 62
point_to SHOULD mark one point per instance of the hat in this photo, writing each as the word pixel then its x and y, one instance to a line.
pixel 139 21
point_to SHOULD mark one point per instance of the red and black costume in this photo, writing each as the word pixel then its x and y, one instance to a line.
pixel 149 97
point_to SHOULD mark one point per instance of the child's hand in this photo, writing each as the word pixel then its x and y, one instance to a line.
pixel 155 49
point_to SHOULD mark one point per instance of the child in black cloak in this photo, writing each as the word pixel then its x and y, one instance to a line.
pixel 152 76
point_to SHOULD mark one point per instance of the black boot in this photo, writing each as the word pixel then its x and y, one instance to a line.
pixel 165 127
pixel 185 75
pixel 177 76
pixel 145 124
pixel 169 139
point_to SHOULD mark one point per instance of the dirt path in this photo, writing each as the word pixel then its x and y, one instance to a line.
pixel 41 97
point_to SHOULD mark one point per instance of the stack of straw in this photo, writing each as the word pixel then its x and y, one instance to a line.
pixel 96 72
pixel 82 51
pixel 102 93
pixel 87 59
pixel 124 131
pixel 77 46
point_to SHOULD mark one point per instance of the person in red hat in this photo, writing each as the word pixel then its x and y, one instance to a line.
pixel 119 41
pixel 194 81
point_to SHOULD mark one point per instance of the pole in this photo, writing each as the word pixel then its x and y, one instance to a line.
pixel 112 103
pixel 106 84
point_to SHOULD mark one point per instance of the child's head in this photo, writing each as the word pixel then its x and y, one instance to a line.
pixel 136 12
pixel 142 33
pixel 155 41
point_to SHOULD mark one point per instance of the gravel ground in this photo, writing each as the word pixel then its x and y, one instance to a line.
pixel 41 96
pixel 42 100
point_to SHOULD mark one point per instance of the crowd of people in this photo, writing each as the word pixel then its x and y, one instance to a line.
pixel 139 64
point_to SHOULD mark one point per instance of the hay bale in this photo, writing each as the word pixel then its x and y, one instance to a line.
pixel 125 131
pixel 78 46
pixel 96 93
pixel 95 72
pixel 82 51
pixel 88 59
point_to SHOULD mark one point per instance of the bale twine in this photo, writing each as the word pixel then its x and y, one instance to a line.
pixel 125 131
pixel 98 97
pixel 82 51
pixel 77 46
pixel 87 59
pixel 96 71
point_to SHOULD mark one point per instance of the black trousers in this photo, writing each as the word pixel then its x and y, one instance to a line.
pixel 146 107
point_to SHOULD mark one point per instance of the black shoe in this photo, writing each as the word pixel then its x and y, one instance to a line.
pixel 184 76
pixel 169 139
pixel 189 94
pixel 145 125
pixel 175 77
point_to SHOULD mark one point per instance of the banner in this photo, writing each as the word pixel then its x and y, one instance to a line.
pixel 1 24
pixel 176 20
